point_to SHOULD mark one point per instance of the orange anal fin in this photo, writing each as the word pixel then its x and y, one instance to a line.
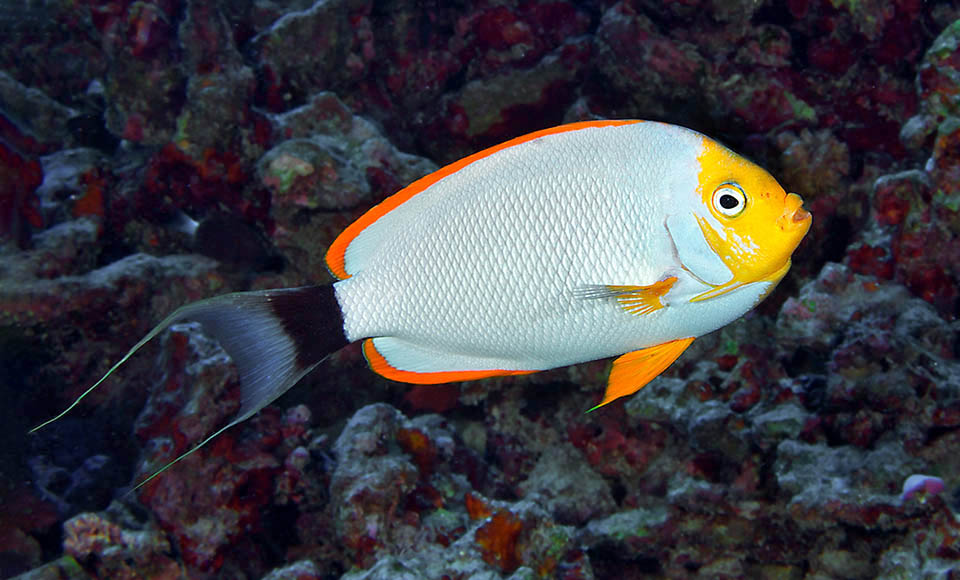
pixel 632 371
pixel 642 300
pixel 379 364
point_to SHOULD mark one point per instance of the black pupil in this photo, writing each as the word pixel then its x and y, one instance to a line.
pixel 728 201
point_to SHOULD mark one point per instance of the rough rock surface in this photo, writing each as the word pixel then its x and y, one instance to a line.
pixel 154 153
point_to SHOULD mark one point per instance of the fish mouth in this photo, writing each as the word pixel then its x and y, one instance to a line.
pixel 794 216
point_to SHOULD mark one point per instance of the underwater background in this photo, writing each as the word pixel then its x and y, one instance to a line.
pixel 155 153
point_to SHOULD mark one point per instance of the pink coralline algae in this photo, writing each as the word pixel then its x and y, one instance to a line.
pixel 922 487
pixel 113 552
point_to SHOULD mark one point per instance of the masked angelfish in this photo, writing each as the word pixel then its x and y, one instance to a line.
pixel 571 244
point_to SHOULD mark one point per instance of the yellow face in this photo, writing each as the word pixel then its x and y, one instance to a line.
pixel 750 222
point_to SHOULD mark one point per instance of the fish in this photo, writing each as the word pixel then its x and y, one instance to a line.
pixel 589 240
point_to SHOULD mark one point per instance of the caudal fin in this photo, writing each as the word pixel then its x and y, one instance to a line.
pixel 274 337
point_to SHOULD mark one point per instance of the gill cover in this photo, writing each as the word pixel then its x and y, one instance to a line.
pixel 693 251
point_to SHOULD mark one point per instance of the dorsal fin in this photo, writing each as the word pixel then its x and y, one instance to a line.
pixel 337 258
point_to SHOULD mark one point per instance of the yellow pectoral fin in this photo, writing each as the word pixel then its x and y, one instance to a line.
pixel 632 371
pixel 642 300
pixel 637 300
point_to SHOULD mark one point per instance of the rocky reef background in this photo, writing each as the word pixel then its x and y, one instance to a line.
pixel 154 153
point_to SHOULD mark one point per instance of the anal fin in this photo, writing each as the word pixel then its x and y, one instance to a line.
pixel 632 371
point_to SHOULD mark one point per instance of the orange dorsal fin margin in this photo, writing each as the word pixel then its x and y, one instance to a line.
pixel 336 255
pixel 632 371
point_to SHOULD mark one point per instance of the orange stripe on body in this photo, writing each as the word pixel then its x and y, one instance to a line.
pixel 379 365
pixel 336 254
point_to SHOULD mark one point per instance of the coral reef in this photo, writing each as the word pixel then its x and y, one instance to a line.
pixel 154 153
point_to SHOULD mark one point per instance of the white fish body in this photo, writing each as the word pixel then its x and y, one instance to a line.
pixel 487 268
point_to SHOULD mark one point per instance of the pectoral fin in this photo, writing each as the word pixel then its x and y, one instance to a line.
pixel 632 371
pixel 637 300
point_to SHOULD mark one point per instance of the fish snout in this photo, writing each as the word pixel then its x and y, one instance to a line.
pixel 794 216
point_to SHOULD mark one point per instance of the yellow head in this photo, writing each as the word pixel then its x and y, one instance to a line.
pixel 748 220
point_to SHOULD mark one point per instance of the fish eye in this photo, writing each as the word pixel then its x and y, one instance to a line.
pixel 729 200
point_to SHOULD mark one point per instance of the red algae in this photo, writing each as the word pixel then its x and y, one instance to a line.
pixel 418 445
pixel 497 540
pixel 19 210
